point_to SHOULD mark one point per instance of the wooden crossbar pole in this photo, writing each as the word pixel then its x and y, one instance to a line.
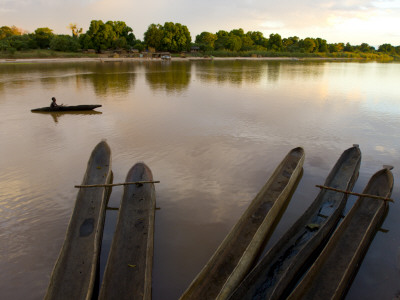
pixel 355 194
pixel 114 184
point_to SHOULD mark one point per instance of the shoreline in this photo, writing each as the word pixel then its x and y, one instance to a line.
pixel 124 59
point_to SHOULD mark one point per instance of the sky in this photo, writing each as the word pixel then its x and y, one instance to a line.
pixel 355 21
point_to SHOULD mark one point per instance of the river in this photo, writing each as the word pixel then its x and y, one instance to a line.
pixel 212 133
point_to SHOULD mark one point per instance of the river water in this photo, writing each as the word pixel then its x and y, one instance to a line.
pixel 211 131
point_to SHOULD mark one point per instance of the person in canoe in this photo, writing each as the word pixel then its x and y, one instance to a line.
pixel 54 104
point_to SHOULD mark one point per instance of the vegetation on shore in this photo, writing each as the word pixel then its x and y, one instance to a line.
pixel 176 38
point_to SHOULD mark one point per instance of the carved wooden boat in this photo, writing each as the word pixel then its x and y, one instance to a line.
pixel 235 256
pixel 67 108
pixel 273 276
pixel 129 266
pixel 75 271
pixel 333 271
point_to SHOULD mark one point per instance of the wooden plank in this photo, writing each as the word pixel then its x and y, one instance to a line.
pixel 129 266
pixel 75 271
pixel 278 269
pixel 333 271
pixel 114 184
pixel 234 257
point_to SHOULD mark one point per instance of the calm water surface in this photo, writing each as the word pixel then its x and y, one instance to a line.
pixel 212 133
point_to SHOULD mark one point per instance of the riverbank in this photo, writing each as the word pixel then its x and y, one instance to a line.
pixel 107 60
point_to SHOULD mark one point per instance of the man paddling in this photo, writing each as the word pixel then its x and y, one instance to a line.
pixel 53 103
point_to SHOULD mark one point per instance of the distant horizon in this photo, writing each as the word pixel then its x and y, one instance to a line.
pixel 374 22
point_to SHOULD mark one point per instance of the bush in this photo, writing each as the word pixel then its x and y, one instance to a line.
pixel 4 45
pixel 18 42
pixel 64 43
pixel 139 46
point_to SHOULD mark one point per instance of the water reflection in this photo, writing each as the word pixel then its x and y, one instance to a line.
pixel 171 77
pixel 235 72
pixel 254 71
pixel 56 115
pixel 110 78
pixel 105 78
pixel 212 148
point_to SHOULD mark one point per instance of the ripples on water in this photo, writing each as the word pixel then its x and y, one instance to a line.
pixel 212 133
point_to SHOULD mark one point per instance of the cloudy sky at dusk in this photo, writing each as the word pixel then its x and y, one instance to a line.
pixel 356 21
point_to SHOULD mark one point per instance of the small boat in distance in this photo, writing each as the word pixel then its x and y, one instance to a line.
pixel 62 108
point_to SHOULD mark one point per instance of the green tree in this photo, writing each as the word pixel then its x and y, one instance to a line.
pixel 176 37
pixel 258 38
pixel 124 36
pixel 291 44
pixel 18 42
pixel 4 45
pixel 139 46
pixel 6 31
pixel 322 45
pixel 222 37
pixel 43 37
pixel 238 32
pixel 364 47
pixel 387 48
pixel 337 47
pixel 101 35
pixel 206 40
pixel 308 45
pixel 348 48
pixel 153 36
pixel 85 41
pixel 64 43
pixel 233 42
pixel 275 42
pixel 247 43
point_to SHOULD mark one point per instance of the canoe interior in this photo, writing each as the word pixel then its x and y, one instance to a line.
pixel 333 271
pixel 129 266
pixel 67 108
pixel 279 269
pixel 74 274
pixel 243 244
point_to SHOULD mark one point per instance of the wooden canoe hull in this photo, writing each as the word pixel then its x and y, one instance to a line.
pixel 67 108
pixel 333 271
pixel 75 271
pixel 236 254
pixel 278 269
pixel 129 266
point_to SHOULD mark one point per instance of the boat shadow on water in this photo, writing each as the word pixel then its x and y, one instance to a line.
pixel 57 114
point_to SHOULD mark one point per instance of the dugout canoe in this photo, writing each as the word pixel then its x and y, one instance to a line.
pixel 241 247
pixel 67 108
pixel 333 271
pixel 277 271
pixel 75 271
pixel 128 271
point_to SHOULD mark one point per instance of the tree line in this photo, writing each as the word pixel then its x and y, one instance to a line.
pixel 172 37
